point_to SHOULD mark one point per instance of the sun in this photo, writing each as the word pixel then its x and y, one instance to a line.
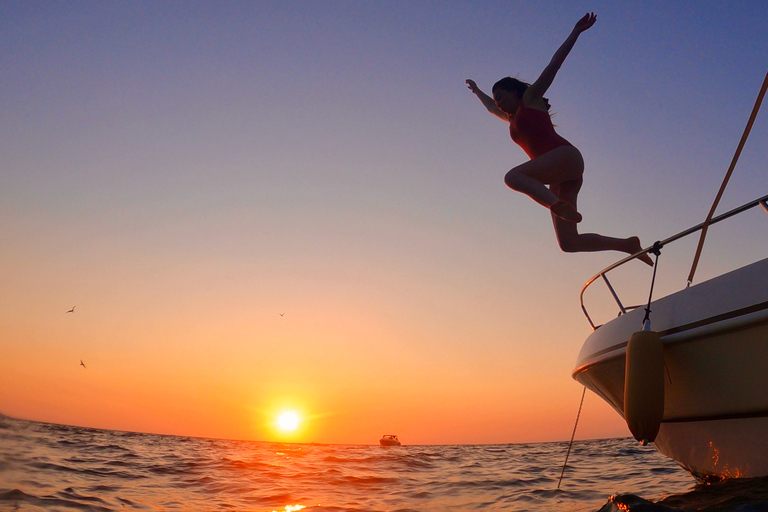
pixel 288 421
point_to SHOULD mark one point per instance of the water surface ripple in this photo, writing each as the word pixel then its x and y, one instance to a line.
pixel 45 467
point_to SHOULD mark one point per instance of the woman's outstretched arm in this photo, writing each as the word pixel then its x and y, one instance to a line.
pixel 487 101
pixel 540 86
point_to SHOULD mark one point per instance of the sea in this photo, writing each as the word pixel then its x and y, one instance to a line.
pixel 48 467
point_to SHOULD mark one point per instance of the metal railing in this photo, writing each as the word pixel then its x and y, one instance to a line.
pixel 763 201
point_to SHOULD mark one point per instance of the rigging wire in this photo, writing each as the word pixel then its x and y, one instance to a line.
pixel 744 136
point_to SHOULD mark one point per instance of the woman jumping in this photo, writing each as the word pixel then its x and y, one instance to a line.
pixel 554 175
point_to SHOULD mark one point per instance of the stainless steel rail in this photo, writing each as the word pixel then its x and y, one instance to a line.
pixel 763 201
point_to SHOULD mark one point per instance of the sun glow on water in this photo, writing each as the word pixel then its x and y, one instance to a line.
pixel 292 508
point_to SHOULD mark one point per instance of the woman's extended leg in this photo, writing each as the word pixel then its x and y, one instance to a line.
pixel 570 240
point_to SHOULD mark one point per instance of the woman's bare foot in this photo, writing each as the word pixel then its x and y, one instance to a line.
pixel 566 211
pixel 633 246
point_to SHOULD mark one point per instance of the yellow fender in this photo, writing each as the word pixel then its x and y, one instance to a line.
pixel 644 385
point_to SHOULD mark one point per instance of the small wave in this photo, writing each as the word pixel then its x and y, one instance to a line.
pixel 97 472
pixel 355 460
pixel 632 503
pixel 488 484
pixel 240 465
pixel 18 498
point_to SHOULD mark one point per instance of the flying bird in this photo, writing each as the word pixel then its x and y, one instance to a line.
pixel 71 310
pixel 82 363
pixel 282 314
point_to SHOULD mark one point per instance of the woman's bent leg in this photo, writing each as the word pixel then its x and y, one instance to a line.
pixel 562 164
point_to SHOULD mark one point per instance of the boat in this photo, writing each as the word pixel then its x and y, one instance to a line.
pixel 715 382
pixel 389 440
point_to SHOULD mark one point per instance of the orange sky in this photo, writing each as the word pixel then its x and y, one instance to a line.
pixel 219 364
pixel 185 174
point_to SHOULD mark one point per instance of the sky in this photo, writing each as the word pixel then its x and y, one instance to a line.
pixel 258 207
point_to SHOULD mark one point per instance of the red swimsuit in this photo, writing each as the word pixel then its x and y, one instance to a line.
pixel 532 130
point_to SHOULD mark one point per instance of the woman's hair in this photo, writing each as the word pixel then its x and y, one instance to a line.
pixel 516 86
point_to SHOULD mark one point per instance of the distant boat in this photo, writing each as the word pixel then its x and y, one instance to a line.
pixel 389 440
pixel 715 344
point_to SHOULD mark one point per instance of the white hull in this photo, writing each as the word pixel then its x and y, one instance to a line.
pixel 715 338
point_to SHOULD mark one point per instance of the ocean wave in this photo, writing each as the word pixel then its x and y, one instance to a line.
pixel 53 467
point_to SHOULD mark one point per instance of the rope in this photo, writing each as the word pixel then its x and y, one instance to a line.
pixel 656 249
pixel 744 136
pixel 572 436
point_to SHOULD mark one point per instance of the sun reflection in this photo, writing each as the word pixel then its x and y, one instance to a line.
pixel 292 508
pixel 288 421
pixel 716 456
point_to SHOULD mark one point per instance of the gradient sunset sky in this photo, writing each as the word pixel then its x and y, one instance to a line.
pixel 267 206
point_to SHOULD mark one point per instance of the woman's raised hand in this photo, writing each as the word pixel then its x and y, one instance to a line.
pixel 472 86
pixel 584 23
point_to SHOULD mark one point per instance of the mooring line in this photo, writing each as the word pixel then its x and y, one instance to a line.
pixel 584 392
